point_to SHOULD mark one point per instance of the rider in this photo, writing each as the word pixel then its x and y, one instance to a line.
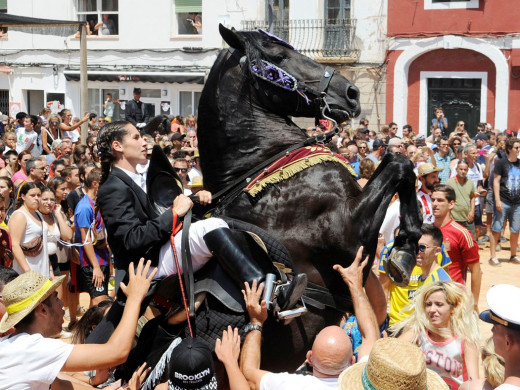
pixel 135 229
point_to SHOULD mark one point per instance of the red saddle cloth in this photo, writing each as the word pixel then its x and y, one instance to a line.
pixel 292 163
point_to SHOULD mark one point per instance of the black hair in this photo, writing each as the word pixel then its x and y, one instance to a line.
pixel 434 232
pixel 7 275
pixel 24 189
pixel 92 116
pixel 114 131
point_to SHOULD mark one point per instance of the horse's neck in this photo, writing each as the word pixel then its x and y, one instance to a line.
pixel 243 136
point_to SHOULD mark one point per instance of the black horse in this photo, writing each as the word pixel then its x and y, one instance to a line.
pixel 320 214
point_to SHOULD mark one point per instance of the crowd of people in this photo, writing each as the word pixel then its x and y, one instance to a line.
pixel 75 218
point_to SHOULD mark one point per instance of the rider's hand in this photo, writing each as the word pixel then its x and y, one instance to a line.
pixel 227 349
pixel 181 205
pixel 139 282
pixel 257 310
pixel 353 274
pixel 204 197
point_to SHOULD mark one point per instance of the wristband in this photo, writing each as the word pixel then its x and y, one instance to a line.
pixel 250 327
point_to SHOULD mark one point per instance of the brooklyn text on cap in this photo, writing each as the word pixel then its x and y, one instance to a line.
pixel 426 168
pixel 503 305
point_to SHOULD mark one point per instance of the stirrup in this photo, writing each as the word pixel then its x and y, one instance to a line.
pixel 272 288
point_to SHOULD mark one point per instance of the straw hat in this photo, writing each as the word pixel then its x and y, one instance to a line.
pixel 23 294
pixel 393 364
pixel 197 183
pixel 426 168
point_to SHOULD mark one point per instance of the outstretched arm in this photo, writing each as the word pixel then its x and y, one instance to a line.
pixel 251 355
pixel 353 277
pixel 228 350
pixel 115 351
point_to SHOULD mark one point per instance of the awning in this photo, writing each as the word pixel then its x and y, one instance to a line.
pixel 151 77
pixel 7 20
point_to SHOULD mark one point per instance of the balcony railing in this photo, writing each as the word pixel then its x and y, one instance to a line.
pixel 316 38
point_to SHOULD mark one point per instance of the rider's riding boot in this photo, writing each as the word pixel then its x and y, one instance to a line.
pixel 237 264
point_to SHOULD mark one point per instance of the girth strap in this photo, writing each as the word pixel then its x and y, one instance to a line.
pixel 321 297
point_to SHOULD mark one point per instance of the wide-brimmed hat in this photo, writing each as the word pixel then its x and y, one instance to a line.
pixel 392 364
pixel 501 311
pixel 426 168
pixel 197 183
pixel 23 294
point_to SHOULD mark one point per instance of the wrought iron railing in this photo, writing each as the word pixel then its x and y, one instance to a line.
pixel 317 38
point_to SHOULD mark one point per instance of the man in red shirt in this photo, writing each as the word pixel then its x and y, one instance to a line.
pixel 458 241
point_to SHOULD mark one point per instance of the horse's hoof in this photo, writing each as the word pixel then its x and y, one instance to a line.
pixel 399 267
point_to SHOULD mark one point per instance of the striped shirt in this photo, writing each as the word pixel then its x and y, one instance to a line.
pixel 462 249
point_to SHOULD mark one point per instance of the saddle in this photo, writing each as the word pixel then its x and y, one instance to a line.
pixel 213 280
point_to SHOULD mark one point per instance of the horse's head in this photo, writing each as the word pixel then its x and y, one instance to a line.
pixel 289 83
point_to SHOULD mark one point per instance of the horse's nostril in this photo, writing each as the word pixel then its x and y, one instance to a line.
pixel 352 92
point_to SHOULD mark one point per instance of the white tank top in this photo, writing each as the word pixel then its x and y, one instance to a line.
pixel 445 358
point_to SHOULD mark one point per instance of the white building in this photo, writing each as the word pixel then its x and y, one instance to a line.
pixel 155 46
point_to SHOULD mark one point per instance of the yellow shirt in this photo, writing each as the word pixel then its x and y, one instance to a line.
pixel 400 297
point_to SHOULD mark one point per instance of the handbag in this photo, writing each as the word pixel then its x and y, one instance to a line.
pixel 34 247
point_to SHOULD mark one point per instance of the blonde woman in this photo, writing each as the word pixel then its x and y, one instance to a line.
pixel 51 133
pixel 444 326
pixel 494 370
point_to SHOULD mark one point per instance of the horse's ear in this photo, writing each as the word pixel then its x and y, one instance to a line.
pixel 231 37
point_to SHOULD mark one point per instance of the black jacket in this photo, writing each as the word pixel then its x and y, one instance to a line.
pixel 133 227
pixel 132 112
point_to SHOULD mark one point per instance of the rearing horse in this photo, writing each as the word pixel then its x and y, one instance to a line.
pixel 320 213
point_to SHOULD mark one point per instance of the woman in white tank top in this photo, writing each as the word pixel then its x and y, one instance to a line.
pixel 25 226
pixel 444 326
pixel 57 227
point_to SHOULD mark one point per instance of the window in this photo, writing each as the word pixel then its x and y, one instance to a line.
pixel 337 27
pixel 189 103
pixel 337 9
pixel 189 17
pixel 3 30
pixel 96 101
pixel 102 16
pixel 450 4
pixel 280 18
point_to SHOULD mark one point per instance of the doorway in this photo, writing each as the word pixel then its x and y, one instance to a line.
pixel 460 98
pixel 35 102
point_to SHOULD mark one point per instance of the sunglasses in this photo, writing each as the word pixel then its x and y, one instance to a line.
pixel 362 147
pixel 183 170
pixel 423 247
pixel 54 123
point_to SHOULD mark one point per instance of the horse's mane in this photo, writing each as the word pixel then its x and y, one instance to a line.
pixel 157 124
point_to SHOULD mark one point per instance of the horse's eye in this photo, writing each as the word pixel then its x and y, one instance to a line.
pixel 279 58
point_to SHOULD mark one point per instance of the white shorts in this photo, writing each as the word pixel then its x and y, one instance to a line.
pixel 200 254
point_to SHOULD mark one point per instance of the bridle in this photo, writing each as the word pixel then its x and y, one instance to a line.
pixel 280 78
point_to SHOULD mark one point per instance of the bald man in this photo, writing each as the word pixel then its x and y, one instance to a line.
pixel 331 351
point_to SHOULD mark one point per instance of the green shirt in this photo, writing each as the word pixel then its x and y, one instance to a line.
pixel 463 201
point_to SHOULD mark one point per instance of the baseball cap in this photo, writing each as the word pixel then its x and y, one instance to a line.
pixel 501 310
pixel 426 168
pixel 177 137
pixel 365 131
pixel 191 366
pixel 378 143
pixel 481 136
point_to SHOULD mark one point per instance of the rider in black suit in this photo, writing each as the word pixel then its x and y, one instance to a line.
pixel 135 229
pixel 134 110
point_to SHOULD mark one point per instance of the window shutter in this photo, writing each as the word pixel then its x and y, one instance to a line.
pixel 3 4
pixel 185 6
